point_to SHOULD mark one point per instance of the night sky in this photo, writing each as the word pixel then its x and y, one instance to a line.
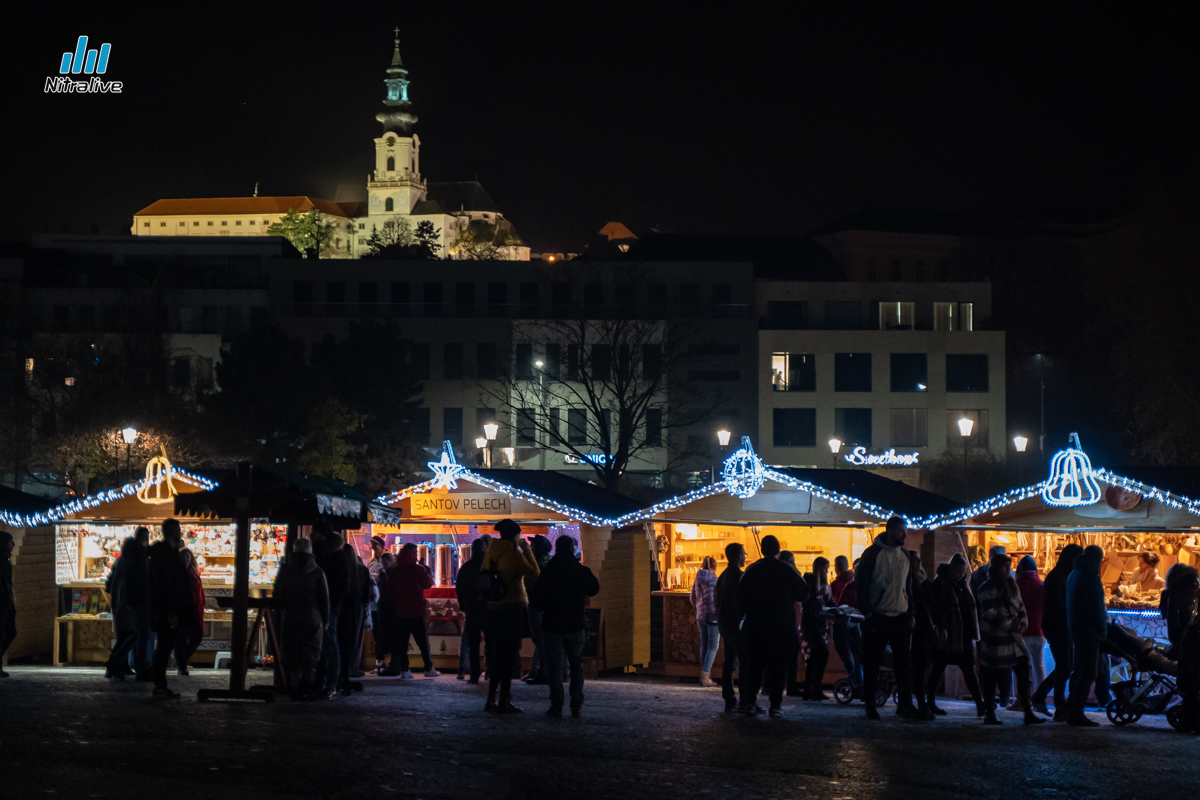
pixel 687 116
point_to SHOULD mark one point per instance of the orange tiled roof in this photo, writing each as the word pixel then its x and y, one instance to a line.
pixel 249 205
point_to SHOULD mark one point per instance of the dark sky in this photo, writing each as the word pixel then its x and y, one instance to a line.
pixel 689 116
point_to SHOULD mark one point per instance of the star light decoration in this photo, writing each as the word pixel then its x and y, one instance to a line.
pixel 446 471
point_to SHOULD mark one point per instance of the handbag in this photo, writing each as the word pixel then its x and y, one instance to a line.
pixel 491 585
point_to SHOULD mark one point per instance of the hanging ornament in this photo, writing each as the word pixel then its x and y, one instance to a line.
pixel 1071 482
pixel 744 473
pixel 446 471
pixel 157 488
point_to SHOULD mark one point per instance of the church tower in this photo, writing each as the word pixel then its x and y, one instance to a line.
pixel 396 185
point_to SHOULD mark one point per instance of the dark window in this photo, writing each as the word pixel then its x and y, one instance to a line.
pixel 523 368
pixel 852 372
pixel 572 362
pixel 482 417
pixel 464 299
pixel 234 321
pixel 626 298
pixel 553 425
pixel 110 317
pixel 843 315
pixel 259 317
pixel 526 428
pixel 529 300
pixel 433 300
pixel 335 298
pixel 722 297
pixel 601 362
pixel 497 299
pixel 966 373
pixel 910 372
pixel 553 360
pixel 919 271
pixel 943 272
pixel 388 205
pixel 897 270
pixel 391 163
pixel 853 426
pixel 910 427
pixel 658 298
pixel 561 294
pixel 418 424
pixel 87 318
pixel 872 273
pixel 452 425
pixel 652 362
pixel 576 426
pixel 452 361
pixel 368 298
pixel 654 424
pixel 485 361
pixel 689 299
pixel 793 372
pixel 420 360
pixel 714 349
pixel 210 319
pixel 787 315
pixel 401 298
pixel 181 373
pixel 593 294
pixel 302 297
pixel 795 427
pixel 714 375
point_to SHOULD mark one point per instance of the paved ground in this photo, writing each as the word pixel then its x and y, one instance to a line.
pixel 69 733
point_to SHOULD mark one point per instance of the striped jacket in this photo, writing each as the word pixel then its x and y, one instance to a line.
pixel 1002 621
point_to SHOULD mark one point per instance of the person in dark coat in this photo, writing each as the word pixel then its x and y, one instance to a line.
pixel 814 627
pixel 8 596
pixel 171 600
pixel 729 620
pixel 1057 632
pixel 129 588
pixel 407 582
pixel 767 597
pixel 350 620
pixel 1179 606
pixel 542 549
pixel 923 642
pixel 884 586
pixel 474 609
pixel 1178 602
pixel 792 676
pixel 956 629
pixel 191 627
pixel 385 618
pixel 329 551
pixel 841 590
pixel 1087 621
pixel 303 596
pixel 560 594
pixel 507 623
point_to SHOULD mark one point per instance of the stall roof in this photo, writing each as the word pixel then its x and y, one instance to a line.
pixel 903 500
pixel 53 511
pixel 17 506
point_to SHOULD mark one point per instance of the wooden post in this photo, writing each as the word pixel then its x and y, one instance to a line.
pixel 241 579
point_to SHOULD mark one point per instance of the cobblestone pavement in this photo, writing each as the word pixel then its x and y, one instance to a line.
pixel 69 733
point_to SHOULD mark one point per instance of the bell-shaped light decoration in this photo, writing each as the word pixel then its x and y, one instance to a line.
pixel 1071 482
pixel 156 488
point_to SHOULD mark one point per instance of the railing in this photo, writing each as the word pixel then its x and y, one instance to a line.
pixel 485 310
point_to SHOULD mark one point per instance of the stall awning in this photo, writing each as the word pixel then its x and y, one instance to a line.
pixel 279 493
pixel 55 511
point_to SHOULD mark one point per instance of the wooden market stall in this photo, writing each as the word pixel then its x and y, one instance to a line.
pixel 23 516
pixel 445 514
pixel 813 512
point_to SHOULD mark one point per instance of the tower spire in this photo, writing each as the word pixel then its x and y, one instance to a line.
pixel 397 116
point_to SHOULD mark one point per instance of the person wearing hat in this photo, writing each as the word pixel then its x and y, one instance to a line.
pixel 302 594
pixel 507 621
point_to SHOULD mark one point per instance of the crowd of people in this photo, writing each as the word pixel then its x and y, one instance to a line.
pixel 992 624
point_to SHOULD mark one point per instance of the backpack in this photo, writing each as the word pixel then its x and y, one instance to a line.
pixel 491 585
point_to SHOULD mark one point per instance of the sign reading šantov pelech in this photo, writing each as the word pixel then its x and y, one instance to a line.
pixel 490 504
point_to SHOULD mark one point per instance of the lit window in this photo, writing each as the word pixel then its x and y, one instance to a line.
pixel 952 316
pixel 910 427
pixel 793 372
pixel 896 316
pixel 69 381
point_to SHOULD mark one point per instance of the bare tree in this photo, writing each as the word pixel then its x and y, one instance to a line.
pixel 605 392
pixel 475 240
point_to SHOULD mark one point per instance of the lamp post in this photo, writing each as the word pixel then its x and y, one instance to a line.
pixel 481 442
pixel 1020 442
pixel 723 440
pixel 490 430
pixel 129 435
pixel 835 447
pixel 965 426
pixel 542 402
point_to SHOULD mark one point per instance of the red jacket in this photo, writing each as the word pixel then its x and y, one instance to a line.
pixel 407 582
pixel 839 586
pixel 1032 591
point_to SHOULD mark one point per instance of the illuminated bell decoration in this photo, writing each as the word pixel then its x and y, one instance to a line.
pixel 157 488
pixel 1071 482
pixel 446 471
pixel 743 472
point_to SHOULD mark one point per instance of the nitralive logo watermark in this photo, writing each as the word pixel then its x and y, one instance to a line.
pixel 88 62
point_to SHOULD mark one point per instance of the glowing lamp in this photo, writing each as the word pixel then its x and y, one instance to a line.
pixel 129 435
pixel 490 430
pixel 481 442
pixel 835 445
pixel 538 364
pixel 723 437
pixel 1020 442
pixel 965 426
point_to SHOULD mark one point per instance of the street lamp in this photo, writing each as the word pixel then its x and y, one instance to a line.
pixel 490 430
pixel 723 437
pixel 481 442
pixel 723 440
pixel 835 446
pixel 129 435
pixel 1020 442
pixel 965 427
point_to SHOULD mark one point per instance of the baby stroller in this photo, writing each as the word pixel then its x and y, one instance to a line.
pixel 1151 687
pixel 844 691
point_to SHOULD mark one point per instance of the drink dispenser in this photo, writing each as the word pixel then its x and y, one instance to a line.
pixel 423 556
pixel 445 558
pixel 464 554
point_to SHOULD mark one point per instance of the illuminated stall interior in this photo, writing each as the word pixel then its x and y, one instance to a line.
pixel 442 516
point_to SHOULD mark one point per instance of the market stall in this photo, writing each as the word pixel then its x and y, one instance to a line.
pixel 1143 528
pixel 33 572
pixel 812 512
pixel 445 514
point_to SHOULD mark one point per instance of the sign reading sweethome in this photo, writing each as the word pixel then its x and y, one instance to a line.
pixel 860 457
pixel 481 504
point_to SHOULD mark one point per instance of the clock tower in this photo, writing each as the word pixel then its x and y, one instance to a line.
pixel 395 186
